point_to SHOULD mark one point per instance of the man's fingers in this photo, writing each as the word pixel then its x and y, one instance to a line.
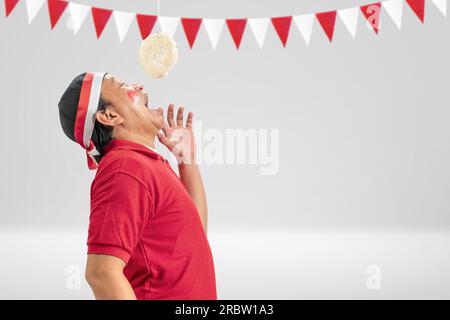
pixel 164 140
pixel 165 127
pixel 180 117
pixel 162 137
pixel 170 119
pixel 189 120
pixel 165 130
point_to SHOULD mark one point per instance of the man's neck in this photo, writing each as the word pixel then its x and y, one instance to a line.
pixel 147 140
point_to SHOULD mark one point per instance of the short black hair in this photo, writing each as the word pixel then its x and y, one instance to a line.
pixel 102 134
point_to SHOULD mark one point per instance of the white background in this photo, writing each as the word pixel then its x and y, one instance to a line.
pixel 364 152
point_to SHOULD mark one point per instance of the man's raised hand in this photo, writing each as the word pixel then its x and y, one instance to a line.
pixel 177 136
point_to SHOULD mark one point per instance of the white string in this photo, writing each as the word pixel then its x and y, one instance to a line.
pixel 157 13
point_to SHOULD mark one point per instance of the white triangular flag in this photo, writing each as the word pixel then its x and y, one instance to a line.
pixel 395 10
pixel 350 19
pixel 259 28
pixel 69 23
pixel 78 13
pixel 168 24
pixel 305 24
pixel 123 22
pixel 33 7
pixel 442 6
pixel 213 29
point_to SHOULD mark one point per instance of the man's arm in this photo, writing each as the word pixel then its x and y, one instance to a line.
pixel 104 273
pixel 192 180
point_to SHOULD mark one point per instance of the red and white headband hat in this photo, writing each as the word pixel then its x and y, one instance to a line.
pixel 77 116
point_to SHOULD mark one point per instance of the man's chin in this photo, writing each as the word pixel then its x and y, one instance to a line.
pixel 158 123
pixel 156 112
pixel 157 119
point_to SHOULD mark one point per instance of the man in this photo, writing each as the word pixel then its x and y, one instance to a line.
pixel 147 226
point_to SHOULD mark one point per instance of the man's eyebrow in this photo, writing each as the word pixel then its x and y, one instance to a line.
pixel 117 80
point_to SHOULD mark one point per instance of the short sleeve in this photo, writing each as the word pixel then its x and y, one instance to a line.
pixel 120 210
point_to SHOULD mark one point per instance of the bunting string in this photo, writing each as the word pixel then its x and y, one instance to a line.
pixel 236 27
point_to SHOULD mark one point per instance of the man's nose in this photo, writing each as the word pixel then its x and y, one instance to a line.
pixel 138 86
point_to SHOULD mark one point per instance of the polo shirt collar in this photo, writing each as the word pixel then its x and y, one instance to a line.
pixel 131 145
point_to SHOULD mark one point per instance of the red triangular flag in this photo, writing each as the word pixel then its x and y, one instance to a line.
pixel 282 26
pixel 372 14
pixel 236 28
pixel 191 26
pixel 327 21
pixel 146 24
pixel 55 10
pixel 418 6
pixel 10 5
pixel 101 17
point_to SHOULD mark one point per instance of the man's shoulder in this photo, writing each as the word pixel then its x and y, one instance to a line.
pixel 125 161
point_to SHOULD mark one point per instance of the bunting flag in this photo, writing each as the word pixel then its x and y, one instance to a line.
pixel 236 27
pixel 55 10
pixel 191 27
pixel 327 20
pixel 442 6
pixel 213 28
pixel 259 29
pixel 282 26
pixel 78 13
pixel 123 22
pixel 100 17
pixel 168 24
pixel 394 8
pixel 418 6
pixel 350 19
pixel 372 14
pixel 33 8
pixel 145 23
pixel 9 6
pixel 305 25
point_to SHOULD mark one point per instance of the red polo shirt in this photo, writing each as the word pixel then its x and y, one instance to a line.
pixel 142 214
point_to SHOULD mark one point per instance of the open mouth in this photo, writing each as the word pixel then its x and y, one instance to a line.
pixel 146 101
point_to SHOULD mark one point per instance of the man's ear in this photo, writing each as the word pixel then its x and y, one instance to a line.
pixel 108 117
